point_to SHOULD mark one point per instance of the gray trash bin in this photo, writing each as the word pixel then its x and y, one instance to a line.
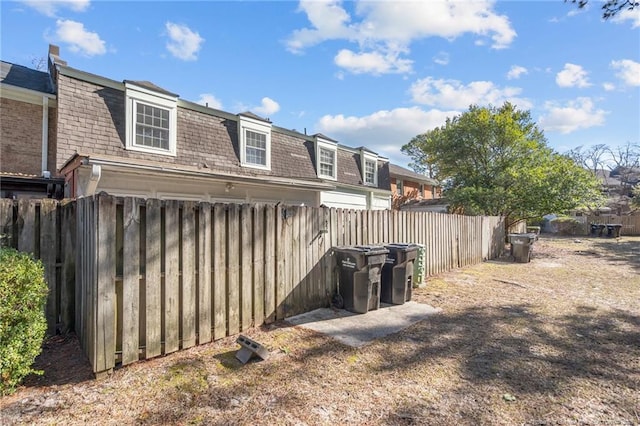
pixel 397 273
pixel 522 246
pixel 359 269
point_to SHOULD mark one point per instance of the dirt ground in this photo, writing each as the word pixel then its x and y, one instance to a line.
pixel 552 342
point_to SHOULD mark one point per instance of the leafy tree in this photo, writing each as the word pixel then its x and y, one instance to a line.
pixel 610 8
pixel 495 161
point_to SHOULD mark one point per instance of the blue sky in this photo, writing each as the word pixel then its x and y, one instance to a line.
pixel 364 73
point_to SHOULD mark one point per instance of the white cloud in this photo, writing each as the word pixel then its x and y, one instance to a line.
pixel 628 15
pixel 608 87
pixel 442 58
pixel 79 39
pixel 375 63
pixel 51 7
pixel 210 100
pixel 572 75
pixel 575 115
pixel 183 42
pixel 383 131
pixel 516 71
pixel 389 27
pixel 454 94
pixel 628 71
pixel 267 107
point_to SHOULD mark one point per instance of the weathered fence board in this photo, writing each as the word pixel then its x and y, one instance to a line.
pixel 204 273
pixel 233 277
pixel 188 287
pixel 171 313
pixel 246 260
pixel 219 272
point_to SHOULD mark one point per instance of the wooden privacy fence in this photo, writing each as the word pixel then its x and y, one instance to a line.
pixel 630 224
pixel 46 228
pixel 139 278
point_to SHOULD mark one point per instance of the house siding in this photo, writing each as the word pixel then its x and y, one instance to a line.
pixel 21 135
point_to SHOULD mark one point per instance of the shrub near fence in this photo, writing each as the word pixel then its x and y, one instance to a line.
pixel 152 277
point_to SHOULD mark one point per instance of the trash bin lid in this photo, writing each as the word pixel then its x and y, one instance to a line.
pixel 365 250
pixel 402 246
pixel 370 250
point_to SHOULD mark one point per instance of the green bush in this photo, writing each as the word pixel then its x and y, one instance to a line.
pixel 23 295
pixel 565 225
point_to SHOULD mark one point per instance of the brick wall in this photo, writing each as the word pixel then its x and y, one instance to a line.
pixel 21 135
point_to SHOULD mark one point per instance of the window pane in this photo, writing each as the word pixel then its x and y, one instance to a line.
pixel 256 148
pixel 326 162
pixel 369 172
pixel 152 126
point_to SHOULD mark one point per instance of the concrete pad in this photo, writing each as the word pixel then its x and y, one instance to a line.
pixel 359 329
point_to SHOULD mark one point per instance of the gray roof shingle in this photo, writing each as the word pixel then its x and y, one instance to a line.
pixel 395 170
pixel 27 78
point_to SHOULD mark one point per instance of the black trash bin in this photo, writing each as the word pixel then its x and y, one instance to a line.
pixel 359 269
pixel 397 273
pixel 613 230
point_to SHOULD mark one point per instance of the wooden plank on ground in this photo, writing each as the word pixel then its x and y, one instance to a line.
pixel 270 264
pixel 233 268
pixel 48 254
pixel 105 333
pixel 131 281
pixel 246 262
pixel 219 271
pixel 153 287
pixel 188 287
pixel 171 276
pixel 258 239
pixel 204 273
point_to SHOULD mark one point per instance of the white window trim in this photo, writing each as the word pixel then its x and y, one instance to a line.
pixel 136 94
pixel 374 159
pixel 247 123
pixel 329 146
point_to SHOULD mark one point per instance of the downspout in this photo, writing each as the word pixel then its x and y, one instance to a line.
pixel 45 136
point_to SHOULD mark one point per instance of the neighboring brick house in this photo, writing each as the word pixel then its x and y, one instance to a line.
pixel 413 191
pixel 133 138
pixel 27 133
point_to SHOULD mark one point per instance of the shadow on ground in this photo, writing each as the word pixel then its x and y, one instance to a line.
pixel 510 348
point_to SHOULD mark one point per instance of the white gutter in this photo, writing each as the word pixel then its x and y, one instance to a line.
pixel 45 136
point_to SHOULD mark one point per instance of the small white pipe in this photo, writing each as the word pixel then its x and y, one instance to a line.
pixel 45 133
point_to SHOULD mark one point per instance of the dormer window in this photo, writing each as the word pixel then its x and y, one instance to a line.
pixel 327 157
pixel 151 120
pixel 369 167
pixel 370 172
pixel 254 135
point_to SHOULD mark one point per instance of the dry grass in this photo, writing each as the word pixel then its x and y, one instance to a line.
pixel 555 341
